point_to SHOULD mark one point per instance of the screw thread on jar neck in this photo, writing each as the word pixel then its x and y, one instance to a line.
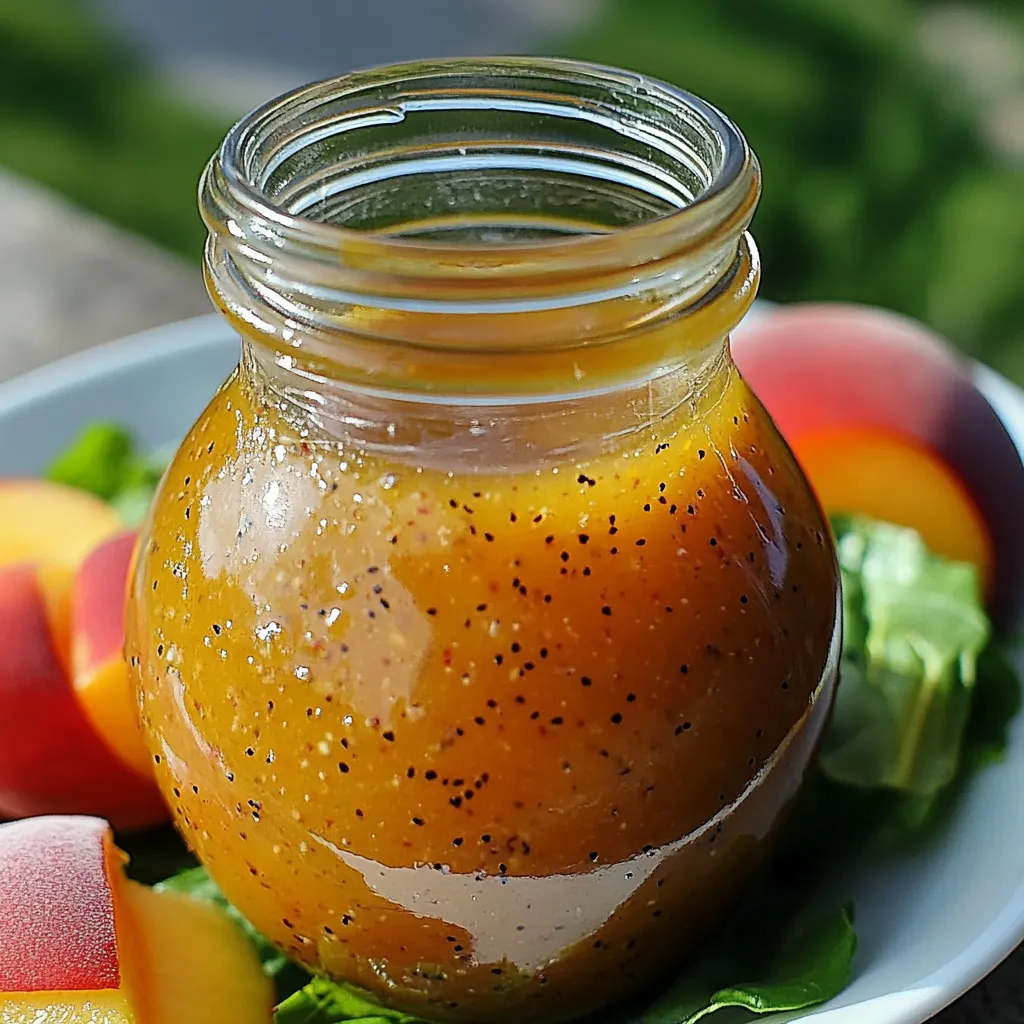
pixel 483 227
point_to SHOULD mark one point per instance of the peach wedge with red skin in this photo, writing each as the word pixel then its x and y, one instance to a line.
pixel 49 525
pixel 99 670
pixel 51 759
pixel 48 522
pixel 886 421
pixel 82 943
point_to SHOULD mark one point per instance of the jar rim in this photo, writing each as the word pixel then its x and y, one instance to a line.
pixel 724 204
pixel 647 190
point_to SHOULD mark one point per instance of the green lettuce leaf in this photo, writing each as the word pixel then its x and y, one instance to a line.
pixel 997 702
pixel 811 967
pixel 327 1002
pixel 915 627
pixel 105 461
pixel 96 461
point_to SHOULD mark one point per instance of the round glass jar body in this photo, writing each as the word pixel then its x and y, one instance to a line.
pixel 484 626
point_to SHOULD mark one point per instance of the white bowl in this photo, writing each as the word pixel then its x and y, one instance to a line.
pixel 931 924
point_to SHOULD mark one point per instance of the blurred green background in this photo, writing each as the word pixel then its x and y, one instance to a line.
pixel 891 133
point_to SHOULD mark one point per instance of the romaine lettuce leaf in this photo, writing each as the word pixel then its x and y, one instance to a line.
pixel 327 1002
pixel 809 968
pixel 105 461
pixel 914 629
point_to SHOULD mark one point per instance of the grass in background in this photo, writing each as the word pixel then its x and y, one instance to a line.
pixel 879 184
pixel 79 115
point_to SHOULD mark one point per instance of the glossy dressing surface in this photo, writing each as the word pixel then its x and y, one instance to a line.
pixel 487 743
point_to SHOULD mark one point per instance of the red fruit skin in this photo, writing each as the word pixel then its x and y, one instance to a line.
pixel 57 907
pixel 829 366
pixel 96 593
pixel 51 759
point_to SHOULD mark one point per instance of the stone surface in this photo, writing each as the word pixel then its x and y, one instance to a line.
pixel 69 280
pixel 999 999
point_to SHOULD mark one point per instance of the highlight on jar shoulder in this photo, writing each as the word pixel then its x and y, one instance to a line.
pixel 484 627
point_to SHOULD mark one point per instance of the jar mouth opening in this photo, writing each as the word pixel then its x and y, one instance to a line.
pixel 492 164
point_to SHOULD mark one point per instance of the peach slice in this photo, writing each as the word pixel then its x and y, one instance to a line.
pixel 198 966
pixel 832 373
pixel 898 481
pixel 59 919
pixel 99 670
pixel 44 521
pixel 82 944
pixel 51 759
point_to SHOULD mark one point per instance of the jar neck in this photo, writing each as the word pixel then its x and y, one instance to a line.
pixel 480 231
pixel 470 435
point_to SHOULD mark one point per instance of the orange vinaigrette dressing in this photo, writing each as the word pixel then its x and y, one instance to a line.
pixel 484 626
pixel 480 725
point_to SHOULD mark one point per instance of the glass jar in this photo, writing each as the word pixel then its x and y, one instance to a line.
pixel 484 626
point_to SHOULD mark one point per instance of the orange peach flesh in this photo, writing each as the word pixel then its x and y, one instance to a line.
pixel 55 585
pixel 77 1008
pixel 51 523
pixel 98 667
pixel 823 367
pixel 96 948
pixel 197 966
pixel 892 478
pixel 106 697
pixel 51 759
